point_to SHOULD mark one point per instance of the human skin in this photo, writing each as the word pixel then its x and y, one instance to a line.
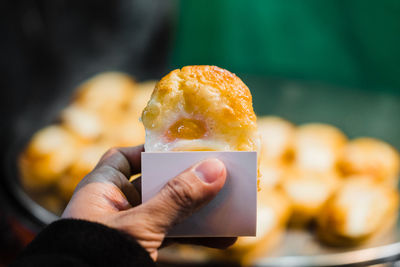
pixel 106 196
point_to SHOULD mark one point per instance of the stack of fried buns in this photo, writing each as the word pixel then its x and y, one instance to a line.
pixel 310 175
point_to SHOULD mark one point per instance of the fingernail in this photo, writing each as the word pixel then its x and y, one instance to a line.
pixel 209 170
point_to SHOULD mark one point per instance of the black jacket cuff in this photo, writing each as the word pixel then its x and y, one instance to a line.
pixel 70 242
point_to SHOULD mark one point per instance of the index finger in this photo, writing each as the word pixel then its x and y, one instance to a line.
pixel 127 160
pixel 116 166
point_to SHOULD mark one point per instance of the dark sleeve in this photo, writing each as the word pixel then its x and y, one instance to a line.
pixel 71 242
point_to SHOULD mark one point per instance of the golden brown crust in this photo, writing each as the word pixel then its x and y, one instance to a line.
pixel 210 94
pixel 360 209
pixel 369 156
pixel 318 146
pixel 50 153
pixel 308 191
pixel 106 93
pixel 277 136
pixel 140 98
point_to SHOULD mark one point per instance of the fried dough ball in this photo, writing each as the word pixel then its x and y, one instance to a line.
pixel 83 122
pixel 83 163
pixel 50 152
pixel 369 156
pixel 318 146
pixel 141 97
pixel 106 94
pixel 273 211
pixel 359 209
pixel 127 131
pixel 308 192
pixel 277 137
pixel 271 174
pixel 200 108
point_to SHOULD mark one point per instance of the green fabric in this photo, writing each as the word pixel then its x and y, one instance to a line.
pixel 344 42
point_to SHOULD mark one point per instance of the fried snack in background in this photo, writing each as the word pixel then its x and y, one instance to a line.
pixel 128 130
pixel 277 136
pixel 360 209
pixel 200 108
pixel 83 122
pixel 308 191
pixel 273 211
pixel 271 174
pixel 142 96
pixel 371 157
pixel 49 154
pixel 98 104
pixel 318 146
pixel 106 94
pixel 104 113
pixel 125 131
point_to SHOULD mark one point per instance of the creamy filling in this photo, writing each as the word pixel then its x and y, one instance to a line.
pixel 154 143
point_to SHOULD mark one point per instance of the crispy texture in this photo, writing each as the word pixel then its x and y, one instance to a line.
pixel 208 94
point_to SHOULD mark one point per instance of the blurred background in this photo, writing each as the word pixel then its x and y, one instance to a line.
pixel 332 61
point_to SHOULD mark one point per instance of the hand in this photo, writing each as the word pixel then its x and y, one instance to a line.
pixel 106 196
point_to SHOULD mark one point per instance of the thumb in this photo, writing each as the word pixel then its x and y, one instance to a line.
pixel 186 193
